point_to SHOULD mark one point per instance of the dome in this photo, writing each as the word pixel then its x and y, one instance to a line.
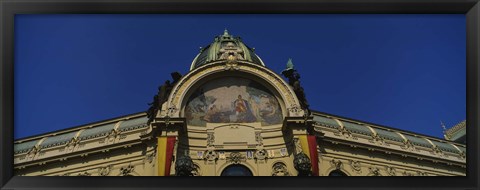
pixel 223 47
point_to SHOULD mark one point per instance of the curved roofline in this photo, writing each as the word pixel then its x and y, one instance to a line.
pixel 192 66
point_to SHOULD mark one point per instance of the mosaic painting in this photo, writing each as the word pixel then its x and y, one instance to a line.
pixel 232 100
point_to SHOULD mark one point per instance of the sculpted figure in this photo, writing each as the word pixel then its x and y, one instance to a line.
pixel 294 80
pixel 162 96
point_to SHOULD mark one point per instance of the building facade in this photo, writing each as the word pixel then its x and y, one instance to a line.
pixel 232 116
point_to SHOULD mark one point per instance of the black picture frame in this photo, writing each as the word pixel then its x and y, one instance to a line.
pixel 8 8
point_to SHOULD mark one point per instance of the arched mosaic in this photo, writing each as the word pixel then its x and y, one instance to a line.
pixel 232 100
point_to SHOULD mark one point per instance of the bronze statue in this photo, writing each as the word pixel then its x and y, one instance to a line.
pixel 184 166
pixel 162 96
pixel 294 80
pixel 153 109
pixel 302 164
pixel 163 92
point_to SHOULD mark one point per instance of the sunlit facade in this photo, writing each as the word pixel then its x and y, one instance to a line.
pixel 232 116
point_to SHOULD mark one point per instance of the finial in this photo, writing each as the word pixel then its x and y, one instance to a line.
pixel 289 64
pixel 443 126
pixel 225 32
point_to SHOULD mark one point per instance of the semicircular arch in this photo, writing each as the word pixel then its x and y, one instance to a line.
pixel 185 87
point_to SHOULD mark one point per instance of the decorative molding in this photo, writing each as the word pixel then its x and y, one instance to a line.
pixel 420 173
pixel 337 164
pixel 405 173
pixel 104 171
pixel 172 110
pixel 391 171
pixel 374 171
pixel 356 166
pixel 280 169
pixel 377 139
pixel 150 157
pixel 296 110
pixel 407 145
pixel 236 158
pixel 84 174
pixel 210 155
pixel 259 138
pixel 261 154
pixel 298 146
pixel 210 139
pixel 127 170
pixel 342 131
pixel 231 65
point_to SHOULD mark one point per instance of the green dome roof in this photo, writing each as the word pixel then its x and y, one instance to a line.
pixel 223 47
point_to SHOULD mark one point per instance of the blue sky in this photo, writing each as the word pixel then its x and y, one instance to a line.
pixel 401 71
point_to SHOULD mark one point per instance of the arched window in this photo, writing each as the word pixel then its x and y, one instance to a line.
pixel 236 170
pixel 337 173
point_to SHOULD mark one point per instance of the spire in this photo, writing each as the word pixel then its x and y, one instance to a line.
pixel 225 32
pixel 289 64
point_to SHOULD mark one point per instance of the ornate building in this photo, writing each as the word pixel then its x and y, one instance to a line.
pixel 232 116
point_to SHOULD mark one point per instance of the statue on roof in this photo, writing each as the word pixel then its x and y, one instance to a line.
pixel 294 80
pixel 162 96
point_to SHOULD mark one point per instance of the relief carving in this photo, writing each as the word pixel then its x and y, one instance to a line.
pixel 211 155
pixel 374 171
pixel 150 157
pixel 391 171
pixel 280 169
pixel 405 173
pixel 236 157
pixel 420 173
pixel 377 139
pixel 298 146
pixel 104 171
pixel 210 139
pixel 259 138
pixel 407 145
pixel 356 166
pixel 84 174
pixel 261 154
pixel 337 164
pixel 126 170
